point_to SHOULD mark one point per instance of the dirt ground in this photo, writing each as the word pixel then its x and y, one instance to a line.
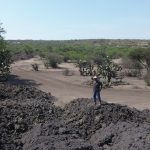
pixel 67 88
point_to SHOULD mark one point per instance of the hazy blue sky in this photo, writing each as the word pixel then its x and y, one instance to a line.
pixel 75 19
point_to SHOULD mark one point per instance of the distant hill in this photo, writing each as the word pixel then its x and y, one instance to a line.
pixel 98 42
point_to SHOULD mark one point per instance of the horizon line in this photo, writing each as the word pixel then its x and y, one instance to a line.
pixel 82 39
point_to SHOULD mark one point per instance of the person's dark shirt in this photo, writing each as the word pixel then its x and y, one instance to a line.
pixel 97 85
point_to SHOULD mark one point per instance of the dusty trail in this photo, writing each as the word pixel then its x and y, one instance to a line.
pixel 67 90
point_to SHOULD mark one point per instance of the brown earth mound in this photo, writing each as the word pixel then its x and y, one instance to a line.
pixel 29 120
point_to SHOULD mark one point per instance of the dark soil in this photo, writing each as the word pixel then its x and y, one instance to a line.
pixel 30 121
pixel 21 108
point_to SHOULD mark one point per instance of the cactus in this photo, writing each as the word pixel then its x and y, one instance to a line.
pixel 106 68
pixel 35 67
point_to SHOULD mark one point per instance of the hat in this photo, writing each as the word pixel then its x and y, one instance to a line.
pixel 95 77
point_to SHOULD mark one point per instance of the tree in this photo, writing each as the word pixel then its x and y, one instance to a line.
pixel 142 56
pixel 5 57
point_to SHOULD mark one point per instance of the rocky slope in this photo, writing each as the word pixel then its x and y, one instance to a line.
pixel 29 120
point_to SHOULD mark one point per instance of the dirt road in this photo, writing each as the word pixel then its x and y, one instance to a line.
pixel 67 88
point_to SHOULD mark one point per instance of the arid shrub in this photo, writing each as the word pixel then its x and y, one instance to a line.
pixel 53 60
pixel 147 78
pixel 35 67
pixel 142 56
pixel 132 68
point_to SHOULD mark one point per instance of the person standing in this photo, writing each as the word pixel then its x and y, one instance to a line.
pixel 97 86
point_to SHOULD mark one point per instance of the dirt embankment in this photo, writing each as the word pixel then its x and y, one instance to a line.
pixel 29 120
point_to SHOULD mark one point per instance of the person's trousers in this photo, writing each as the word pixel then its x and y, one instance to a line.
pixel 97 95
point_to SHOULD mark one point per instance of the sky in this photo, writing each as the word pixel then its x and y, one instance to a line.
pixel 75 19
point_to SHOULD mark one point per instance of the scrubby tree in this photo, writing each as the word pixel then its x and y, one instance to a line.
pixel 52 60
pixel 133 68
pixel 5 57
pixel 142 56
